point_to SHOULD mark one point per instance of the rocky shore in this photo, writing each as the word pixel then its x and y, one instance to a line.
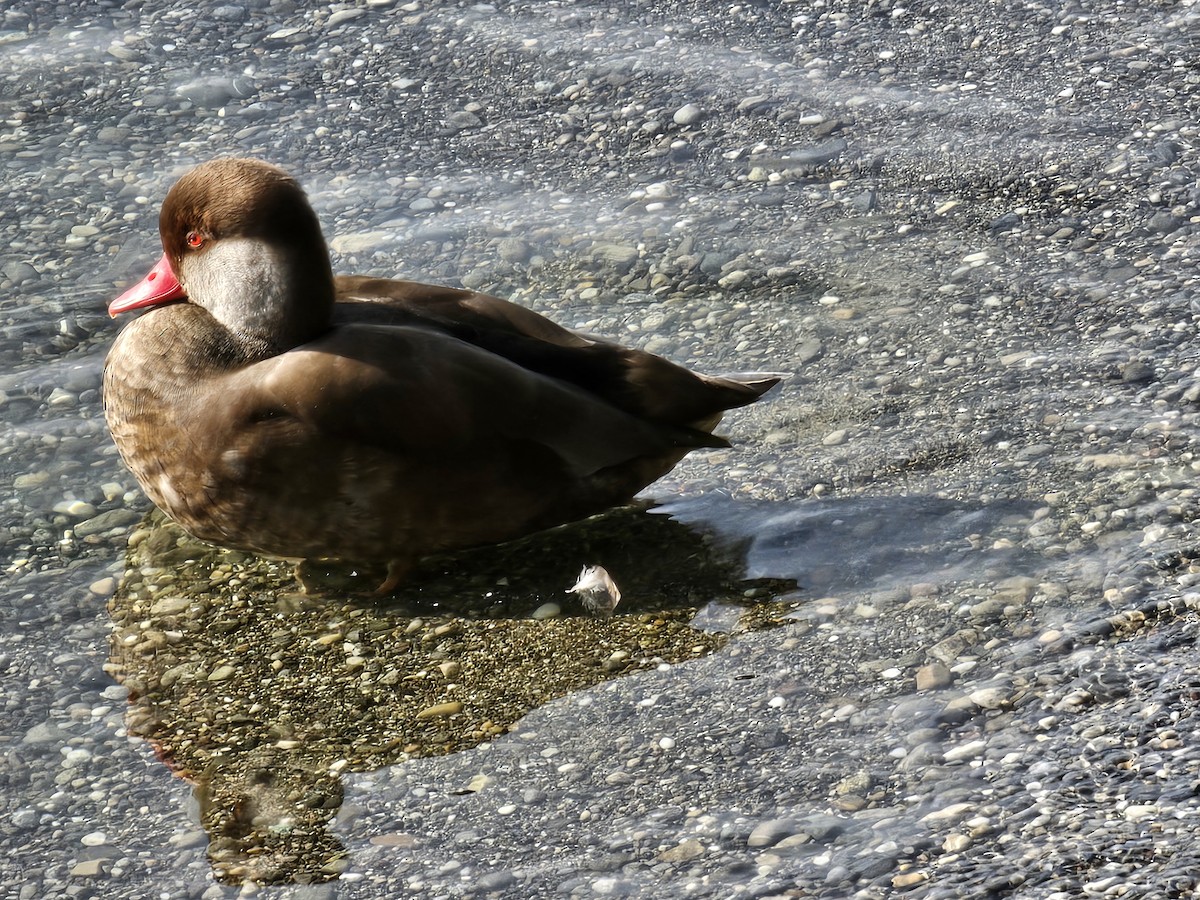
pixel 964 525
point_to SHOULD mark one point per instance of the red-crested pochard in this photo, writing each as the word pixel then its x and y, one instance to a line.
pixel 266 405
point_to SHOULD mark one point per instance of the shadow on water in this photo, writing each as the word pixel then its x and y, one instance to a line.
pixel 868 543
pixel 260 694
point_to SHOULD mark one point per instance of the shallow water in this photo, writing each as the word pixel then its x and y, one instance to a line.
pixel 970 241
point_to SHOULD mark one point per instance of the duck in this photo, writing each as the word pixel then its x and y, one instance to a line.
pixel 268 406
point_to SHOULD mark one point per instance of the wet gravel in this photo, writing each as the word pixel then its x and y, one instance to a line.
pixel 970 233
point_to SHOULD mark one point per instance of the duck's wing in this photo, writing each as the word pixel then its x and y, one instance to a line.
pixel 418 393
pixel 640 383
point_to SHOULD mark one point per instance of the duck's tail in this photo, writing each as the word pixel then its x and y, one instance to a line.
pixel 742 388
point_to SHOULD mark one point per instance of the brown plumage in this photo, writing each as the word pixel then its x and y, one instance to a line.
pixel 267 406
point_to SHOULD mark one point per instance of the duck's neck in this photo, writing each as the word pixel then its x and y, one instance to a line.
pixel 269 297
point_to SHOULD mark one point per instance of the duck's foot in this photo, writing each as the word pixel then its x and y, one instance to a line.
pixel 326 577
pixel 397 570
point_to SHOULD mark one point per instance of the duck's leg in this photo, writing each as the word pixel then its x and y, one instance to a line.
pixel 397 570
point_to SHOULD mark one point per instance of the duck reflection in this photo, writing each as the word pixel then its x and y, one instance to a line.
pixel 261 694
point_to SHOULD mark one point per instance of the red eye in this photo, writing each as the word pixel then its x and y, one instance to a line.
pixel 194 239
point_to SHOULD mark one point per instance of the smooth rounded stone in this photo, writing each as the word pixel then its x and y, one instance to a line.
pixel 809 350
pixel 29 480
pixel 909 879
pixel 771 832
pixel 103 587
pixel 222 673
pixel 19 272
pixel 688 114
pixel 990 697
pixel 513 250
pixel 950 813
pixel 24 819
pixel 214 90
pixel 45 733
pixel 956 843
pixel 491 882
pixel 441 710
pixel 965 751
pixel 462 120
pixel 822 827
pixel 620 257
pixel 107 521
pixel 987 611
pixel 835 438
pixel 170 606
pixel 1137 372
pixel 342 16
pixel 360 242
pixel 61 398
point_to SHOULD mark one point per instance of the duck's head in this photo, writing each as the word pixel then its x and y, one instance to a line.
pixel 241 241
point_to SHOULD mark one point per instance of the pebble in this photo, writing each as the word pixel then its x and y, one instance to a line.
pixel 771 832
pixel 106 521
pixel 688 114
pixel 933 676
pixel 441 710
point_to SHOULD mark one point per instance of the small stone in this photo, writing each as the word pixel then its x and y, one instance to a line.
pixel 1137 812
pixel 29 480
pixel 88 868
pixel 103 587
pixel 956 843
pixel 45 733
pixel 1137 372
pixel 908 879
pixel 834 438
pixel 441 710
pixel 686 115
pixel 394 839
pixel 107 521
pixel 222 673
pixel 989 697
pixel 933 676
pixel 771 832
pixel 344 15
pixel 968 750
pixel 75 508
pixel 513 250
pixel 463 120
pixel 169 606
pixel 685 851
